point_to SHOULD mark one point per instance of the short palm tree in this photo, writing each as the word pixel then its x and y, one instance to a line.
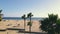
pixel 29 23
pixel 58 26
pixel 49 24
pixel 0 15
pixel 24 17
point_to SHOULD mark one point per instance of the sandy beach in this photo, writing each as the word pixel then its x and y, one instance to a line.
pixel 4 24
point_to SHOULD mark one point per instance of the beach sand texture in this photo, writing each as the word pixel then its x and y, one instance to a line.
pixel 18 24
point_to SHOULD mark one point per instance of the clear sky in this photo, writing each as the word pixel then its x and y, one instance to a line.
pixel 39 8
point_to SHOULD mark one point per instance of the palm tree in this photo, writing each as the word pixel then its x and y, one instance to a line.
pixel 0 15
pixel 58 26
pixel 53 20
pixel 24 17
pixel 49 24
pixel 29 23
pixel 44 25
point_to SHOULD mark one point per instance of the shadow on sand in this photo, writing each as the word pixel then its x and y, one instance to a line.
pixel 23 31
pixel 32 32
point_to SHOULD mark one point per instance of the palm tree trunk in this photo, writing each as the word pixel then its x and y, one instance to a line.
pixel 0 18
pixel 30 29
pixel 30 26
pixel 24 24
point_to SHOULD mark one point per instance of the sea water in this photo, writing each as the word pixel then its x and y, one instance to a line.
pixel 19 18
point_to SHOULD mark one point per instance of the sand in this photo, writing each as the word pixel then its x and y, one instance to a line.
pixel 4 24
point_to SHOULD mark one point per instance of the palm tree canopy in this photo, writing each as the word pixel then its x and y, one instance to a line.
pixel 0 11
pixel 0 15
pixel 24 16
pixel 29 15
pixel 52 18
pixel 44 25
pixel 58 21
pixel 29 23
pixel 58 26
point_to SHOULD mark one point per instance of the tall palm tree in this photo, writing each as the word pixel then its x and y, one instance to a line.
pixel 29 23
pixel 24 17
pixel 0 15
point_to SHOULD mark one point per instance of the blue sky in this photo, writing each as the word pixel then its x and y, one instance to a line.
pixel 39 8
